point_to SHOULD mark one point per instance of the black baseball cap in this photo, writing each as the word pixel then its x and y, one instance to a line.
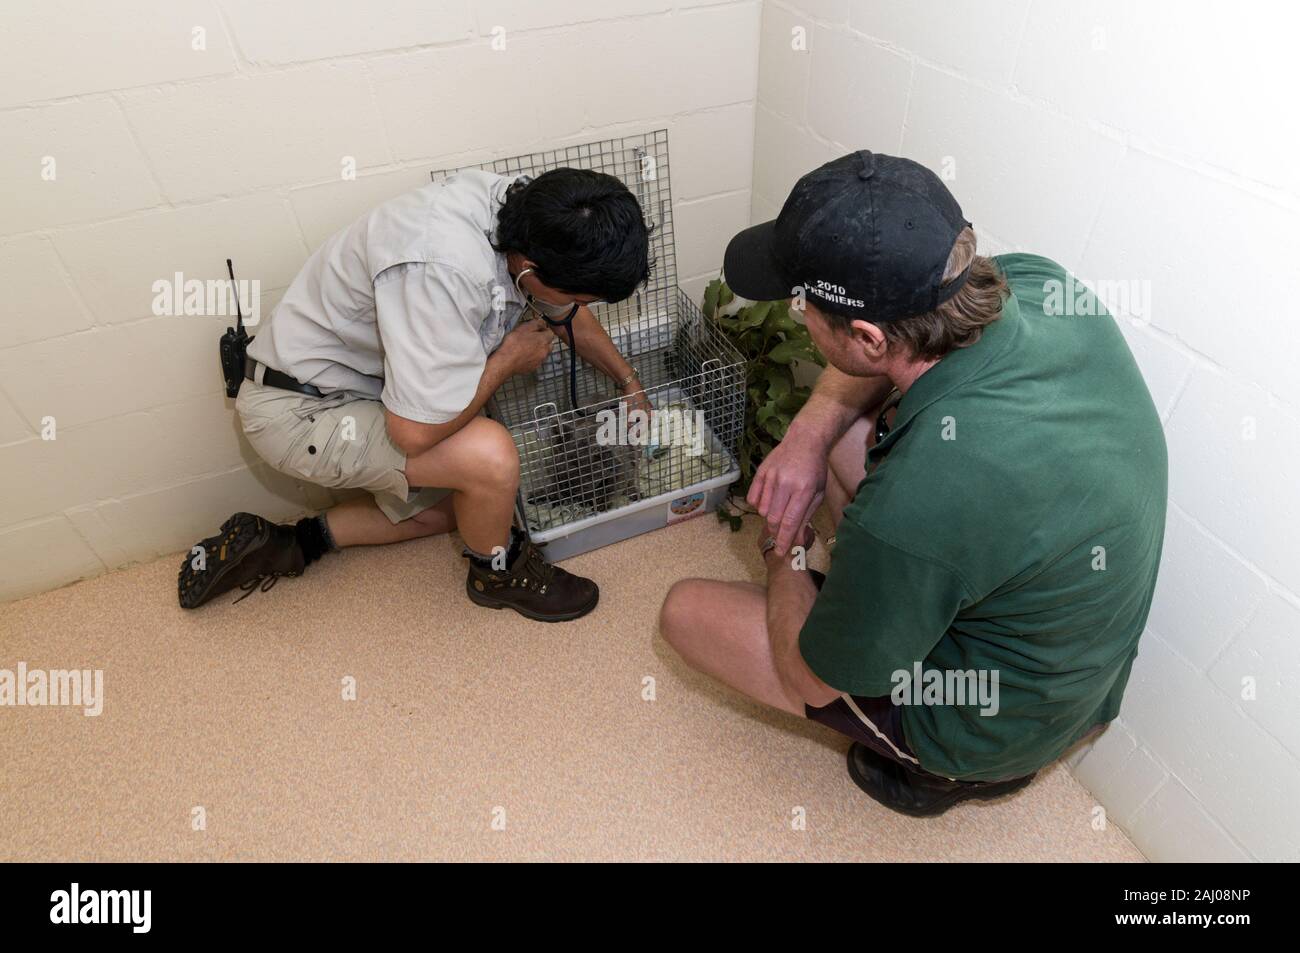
pixel 864 236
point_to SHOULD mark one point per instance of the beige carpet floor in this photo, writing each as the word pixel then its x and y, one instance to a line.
pixel 463 717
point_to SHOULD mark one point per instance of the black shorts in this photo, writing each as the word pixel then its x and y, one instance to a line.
pixel 875 722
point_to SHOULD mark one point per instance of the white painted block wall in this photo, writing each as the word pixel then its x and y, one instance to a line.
pixel 169 158
pixel 1149 141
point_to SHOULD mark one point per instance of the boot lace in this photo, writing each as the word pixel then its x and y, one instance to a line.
pixel 535 573
pixel 267 580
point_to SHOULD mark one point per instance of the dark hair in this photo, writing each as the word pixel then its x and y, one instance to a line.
pixel 583 230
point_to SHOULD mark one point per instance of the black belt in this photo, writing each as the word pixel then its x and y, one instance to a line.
pixel 273 378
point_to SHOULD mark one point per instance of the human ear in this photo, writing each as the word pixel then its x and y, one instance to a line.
pixel 870 338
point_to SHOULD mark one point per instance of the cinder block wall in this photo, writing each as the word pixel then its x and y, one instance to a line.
pixel 162 138
pixel 1142 142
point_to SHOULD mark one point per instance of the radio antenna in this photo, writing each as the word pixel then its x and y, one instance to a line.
pixel 239 314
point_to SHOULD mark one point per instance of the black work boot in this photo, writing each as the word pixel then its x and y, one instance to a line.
pixel 532 587
pixel 249 550
pixel 916 794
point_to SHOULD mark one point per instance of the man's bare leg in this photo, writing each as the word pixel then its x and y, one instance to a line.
pixel 479 463
pixel 360 522
pixel 847 462
pixel 720 629
pixel 846 465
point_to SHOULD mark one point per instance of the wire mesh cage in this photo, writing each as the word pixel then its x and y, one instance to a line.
pixel 599 472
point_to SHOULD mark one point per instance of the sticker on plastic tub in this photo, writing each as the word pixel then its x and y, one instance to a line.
pixel 684 507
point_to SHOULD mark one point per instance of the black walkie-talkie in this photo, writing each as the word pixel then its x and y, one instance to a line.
pixel 234 343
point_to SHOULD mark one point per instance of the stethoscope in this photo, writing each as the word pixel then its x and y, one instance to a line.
pixel 557 316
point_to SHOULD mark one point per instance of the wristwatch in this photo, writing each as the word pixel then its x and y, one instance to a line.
pixel 769 544
pixel 629 379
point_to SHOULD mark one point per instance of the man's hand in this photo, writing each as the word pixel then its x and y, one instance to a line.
pixel 525 348
pixel 790 484
pixel 791 481
pixel 773 559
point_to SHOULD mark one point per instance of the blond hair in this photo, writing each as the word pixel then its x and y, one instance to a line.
pixel 960 320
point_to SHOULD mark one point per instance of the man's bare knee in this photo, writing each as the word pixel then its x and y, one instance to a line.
pixel 846 462
pixel 680 614
pixel 495 456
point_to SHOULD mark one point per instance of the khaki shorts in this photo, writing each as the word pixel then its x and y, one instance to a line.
pixel 338 441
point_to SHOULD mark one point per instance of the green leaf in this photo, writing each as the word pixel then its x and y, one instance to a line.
pixel 753 316
pixel 793 402
pixel 795 351
pixel 780 381
pixel 770 338
pixel 779 320
pixel 711 294
pixel 785 352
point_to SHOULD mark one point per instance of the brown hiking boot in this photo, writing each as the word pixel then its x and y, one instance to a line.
pixel 532 587
pixel 248 552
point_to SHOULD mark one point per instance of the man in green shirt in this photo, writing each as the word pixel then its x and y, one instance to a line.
pixel 999 523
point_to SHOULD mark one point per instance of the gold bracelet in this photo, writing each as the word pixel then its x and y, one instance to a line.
pixel 627 380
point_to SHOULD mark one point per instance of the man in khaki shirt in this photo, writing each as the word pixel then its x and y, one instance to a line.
pixel 376 364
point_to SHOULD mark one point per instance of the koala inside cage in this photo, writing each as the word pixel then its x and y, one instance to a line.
pixel 583 482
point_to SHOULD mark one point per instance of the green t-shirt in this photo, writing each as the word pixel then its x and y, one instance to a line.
pixel 1009 528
